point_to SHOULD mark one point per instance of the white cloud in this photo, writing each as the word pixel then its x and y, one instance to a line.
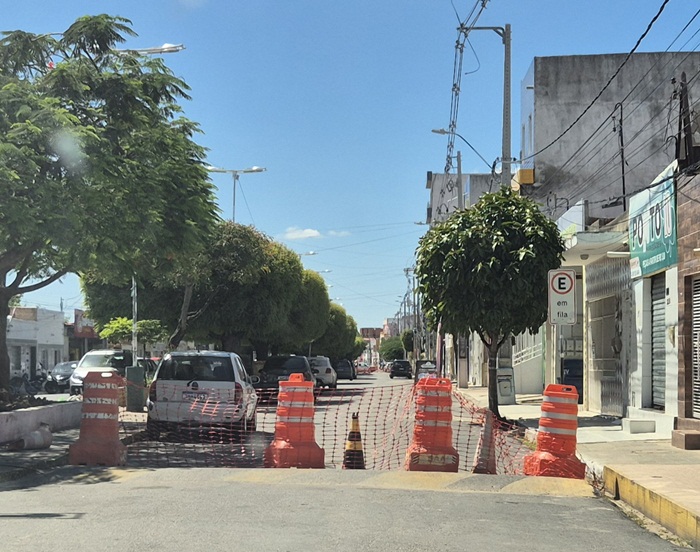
pixel 294 233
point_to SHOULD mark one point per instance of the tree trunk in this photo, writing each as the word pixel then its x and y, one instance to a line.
pixel 181 329
pixel 493 379
pixel 4 356
pixel 231 343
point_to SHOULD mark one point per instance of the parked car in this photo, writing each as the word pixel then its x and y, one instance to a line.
pixel 201 389
pixel 326 376
pixel 58 378
pixel 426 369
pixel 99 360
pixel 345 369
pixel 149 366
pixel 400 368
pixel 279 368
pixel 362 369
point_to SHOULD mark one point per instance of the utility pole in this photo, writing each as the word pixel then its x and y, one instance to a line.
pixel 506 158
pixel 622 157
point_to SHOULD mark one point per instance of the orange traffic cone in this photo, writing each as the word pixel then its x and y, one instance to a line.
pixel 354 458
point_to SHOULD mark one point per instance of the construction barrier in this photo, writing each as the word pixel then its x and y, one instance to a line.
pixel 556 437
pixel 295 444
pixel 431 448
pixel 387 416
pixel 485 459
pixel 98 443
pixel 354 458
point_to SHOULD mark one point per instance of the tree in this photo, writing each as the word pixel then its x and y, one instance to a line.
pixel 260 311
pixel 391 348
pixel 308 317
pixel 119 330
pixel 357 349
pixel 233 255
pixel 339 339
pixel 150 331
pixel 484 270
pixel 407 340
pixel 100 172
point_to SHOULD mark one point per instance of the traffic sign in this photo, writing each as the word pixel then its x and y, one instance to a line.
pixel 562 296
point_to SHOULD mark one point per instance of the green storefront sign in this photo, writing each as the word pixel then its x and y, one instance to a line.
pixel 652 226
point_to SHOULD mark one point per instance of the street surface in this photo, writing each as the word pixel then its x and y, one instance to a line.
pixel 164 500
pixel 212 509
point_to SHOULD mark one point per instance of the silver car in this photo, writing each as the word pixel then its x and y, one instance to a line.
pixel 326 376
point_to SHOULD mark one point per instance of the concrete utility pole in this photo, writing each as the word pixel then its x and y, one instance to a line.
pixel 506 159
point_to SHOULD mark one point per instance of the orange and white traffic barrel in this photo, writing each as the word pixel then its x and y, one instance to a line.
pixel 431 448
pixel 556 438
pixel 98 443
pixel 295 444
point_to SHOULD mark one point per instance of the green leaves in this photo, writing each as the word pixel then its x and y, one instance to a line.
pixel 485 268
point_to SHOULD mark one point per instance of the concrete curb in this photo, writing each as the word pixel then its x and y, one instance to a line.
pixel 61 459
pixel 17 423
pixel 657 507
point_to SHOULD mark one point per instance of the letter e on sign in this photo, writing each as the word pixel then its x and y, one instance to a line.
pixel 562 296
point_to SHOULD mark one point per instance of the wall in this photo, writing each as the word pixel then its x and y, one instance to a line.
pixel 688 213
pixel 563 87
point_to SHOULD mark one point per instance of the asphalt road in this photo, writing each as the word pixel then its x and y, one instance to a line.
pixel 212 509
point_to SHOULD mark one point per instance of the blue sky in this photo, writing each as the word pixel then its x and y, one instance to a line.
pixel 337 100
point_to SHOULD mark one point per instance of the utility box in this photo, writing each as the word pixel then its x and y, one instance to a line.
pixel 135 388
pixel 505 385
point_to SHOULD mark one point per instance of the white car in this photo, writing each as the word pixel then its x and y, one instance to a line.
pixel 99 360
pixel 324 372
pixel 193 390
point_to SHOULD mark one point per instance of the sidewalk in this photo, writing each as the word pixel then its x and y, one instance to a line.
pixel 645 472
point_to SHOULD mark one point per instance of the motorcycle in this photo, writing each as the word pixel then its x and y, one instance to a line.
pixel 25 386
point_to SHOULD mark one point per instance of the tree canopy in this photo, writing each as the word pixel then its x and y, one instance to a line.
pixel 391 348
pixel 100 171
pixel 339 339
pixel 485 268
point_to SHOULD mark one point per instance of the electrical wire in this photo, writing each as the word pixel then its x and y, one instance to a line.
pixel 597 97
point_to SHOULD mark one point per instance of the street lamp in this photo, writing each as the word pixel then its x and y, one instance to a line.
pixel 234 173
pixel 445 131
pixel 155 50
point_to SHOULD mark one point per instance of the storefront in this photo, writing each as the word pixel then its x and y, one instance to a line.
pixel 653 248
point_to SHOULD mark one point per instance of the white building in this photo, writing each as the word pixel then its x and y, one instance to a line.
pixel 35 336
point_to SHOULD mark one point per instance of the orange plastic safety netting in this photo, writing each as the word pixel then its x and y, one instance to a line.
pixel 192 433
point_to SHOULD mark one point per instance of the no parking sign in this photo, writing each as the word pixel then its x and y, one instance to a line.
pixel 562 296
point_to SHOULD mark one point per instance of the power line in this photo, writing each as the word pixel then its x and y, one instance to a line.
pixel 639 41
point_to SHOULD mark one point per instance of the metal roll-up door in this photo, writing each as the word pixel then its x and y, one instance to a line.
pixel 658 341
pixel 696 348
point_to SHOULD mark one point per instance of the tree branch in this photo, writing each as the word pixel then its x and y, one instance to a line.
pixel 50 280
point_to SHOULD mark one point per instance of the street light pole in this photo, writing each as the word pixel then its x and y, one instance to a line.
pixel 164 49
pixel 234 173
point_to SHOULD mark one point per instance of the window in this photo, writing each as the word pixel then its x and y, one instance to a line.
pixel 201 368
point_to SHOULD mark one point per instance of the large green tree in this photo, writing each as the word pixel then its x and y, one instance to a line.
pixel 339 339
pixel 308 317
pixel 484 270
pixel 233 259
pixel 99 171
pixel 391 348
